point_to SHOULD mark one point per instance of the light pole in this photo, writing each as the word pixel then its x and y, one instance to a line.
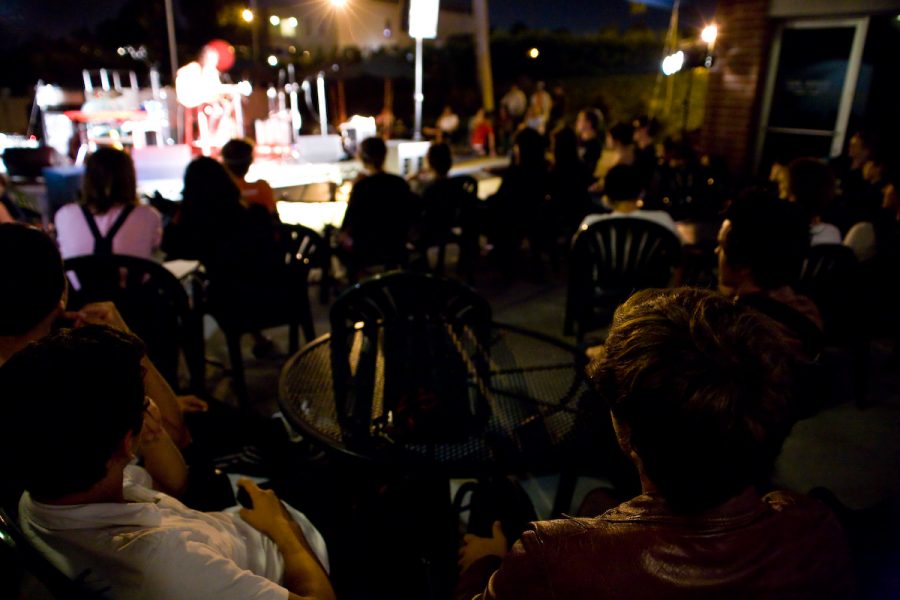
pixel 423 20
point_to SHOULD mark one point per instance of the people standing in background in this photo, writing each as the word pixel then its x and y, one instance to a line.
pixel 811 185
pixel 482 134
pixel 645 160
pixel 237 156
pixel 619 150
pixel 541 103
pixel 447 125
pixel 515 102
pixel 108 219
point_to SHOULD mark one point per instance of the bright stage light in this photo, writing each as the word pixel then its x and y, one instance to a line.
pixel 293 22
pixel 272 60
pixel 709 34
pixel 673 63
pixel 247 15
pixel 275 20
pixel 339 3
pixel 534 53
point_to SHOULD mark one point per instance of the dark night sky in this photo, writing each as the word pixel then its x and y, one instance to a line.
pixel 58 17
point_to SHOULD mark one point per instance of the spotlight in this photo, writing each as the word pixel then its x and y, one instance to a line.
pixel 247 15
pixel 673 63
pixel 275 20
pixel 272 60
pixel 534 53
pixel 709 34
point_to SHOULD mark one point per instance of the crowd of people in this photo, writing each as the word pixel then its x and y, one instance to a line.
pixel 702 385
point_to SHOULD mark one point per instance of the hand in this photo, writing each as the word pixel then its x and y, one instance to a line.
pixel 152 431
pixel 268 514
pixel 99 313
pixel 475 547
pixel 191 404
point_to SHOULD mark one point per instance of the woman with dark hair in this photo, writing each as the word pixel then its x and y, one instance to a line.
pixel 108 218
pixel 237 245
pixel 568 180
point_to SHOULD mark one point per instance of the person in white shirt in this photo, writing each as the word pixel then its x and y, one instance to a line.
pixel 97 517
pixel 810 183
pixel 623 193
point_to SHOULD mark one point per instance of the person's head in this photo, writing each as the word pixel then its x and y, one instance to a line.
pixel 528 148
pixel 32 281
pixel 237 154
pixel 73 408
pixel 645 130
pixel 860 148
pixel 622 184
pixel 208 57
pixel 372 152
pixel 810 184
pixel 762 243
pixel 588 123
pixel 210 194
pixel 565 145
pixel 620 134
pixel 698 388
pixel 891 189
pixel 109 180
pixel 440 159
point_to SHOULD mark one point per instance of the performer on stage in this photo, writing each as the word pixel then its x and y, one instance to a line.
pixel 199 87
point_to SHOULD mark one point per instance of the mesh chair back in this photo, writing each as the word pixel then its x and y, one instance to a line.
pixel 150 299
pixel 398 344
pixel 610 260
pixel 831 277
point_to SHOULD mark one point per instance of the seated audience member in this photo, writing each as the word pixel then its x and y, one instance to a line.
pixel 33 293
pixel 645 160
pixel 811 185
pixel 569 181
pixel 237 154
pixel 108 218
pixel 589 128
pixel 237 244
pixel 762 245
pixel 97 516
pixel 623 192
pixel 619 150
pixel 519 208
pixel 380 212
pixel 697 386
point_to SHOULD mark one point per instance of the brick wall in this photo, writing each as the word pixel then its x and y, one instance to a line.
pixel 737 81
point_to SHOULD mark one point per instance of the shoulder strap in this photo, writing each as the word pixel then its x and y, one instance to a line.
pixel 103 244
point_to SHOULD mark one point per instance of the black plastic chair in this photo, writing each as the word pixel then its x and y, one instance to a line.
pixel 154 304
pixel 411 379
pixel 832 277
pixel 610 260
pixel 288 301
pixel 16 550
pixel 451 221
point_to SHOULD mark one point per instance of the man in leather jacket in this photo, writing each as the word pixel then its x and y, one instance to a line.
pixel 698 387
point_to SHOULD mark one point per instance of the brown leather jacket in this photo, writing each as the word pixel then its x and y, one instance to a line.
pixel 779 546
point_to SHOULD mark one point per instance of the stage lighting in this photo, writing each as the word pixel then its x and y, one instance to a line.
pixel 272 60
pixel 709 34
pixel 534 53
pixel 275 20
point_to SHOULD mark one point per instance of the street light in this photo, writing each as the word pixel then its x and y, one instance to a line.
pixel 534 53
pixel 247 15
pixel 272 60
pixel 423 21
pixel 709 34
pixel 673 63
pixel 275 20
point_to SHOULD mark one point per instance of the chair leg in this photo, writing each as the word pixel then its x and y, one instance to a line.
pixel 306 323
pixel 237 366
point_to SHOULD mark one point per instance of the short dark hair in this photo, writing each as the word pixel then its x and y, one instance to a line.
pixel 373 151
pixel 32 281
pixel 109 179
pixel 702 385
pixel 648 122
pixel 768 236
pixel 622 133
pixel 622 182
pixel 237 154
pixel 440 158
pixel 811 184
pixel 531 146
pixel 593 117
pixel 68 400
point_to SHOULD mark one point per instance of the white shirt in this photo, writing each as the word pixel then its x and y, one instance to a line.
pixel 153 547
pixel 657 216
pixel 140 234
pixel 824 233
